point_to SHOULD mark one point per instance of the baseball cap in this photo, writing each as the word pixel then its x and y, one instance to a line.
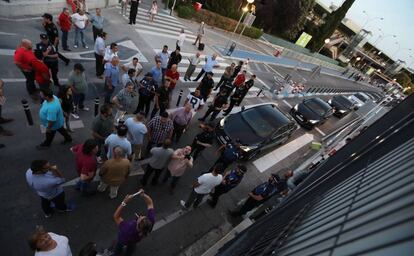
pixel 43 36
pixel 47 16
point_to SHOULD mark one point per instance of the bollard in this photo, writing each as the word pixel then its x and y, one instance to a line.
pixel 96 101
pixel 27 111
pixel 179 98
pixel 259 92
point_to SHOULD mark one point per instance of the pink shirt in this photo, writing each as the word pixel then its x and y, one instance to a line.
pixel 177 167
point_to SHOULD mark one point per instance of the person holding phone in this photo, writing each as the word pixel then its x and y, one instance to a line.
pixel 181 160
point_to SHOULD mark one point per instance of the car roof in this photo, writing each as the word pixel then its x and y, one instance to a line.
pixel 277 115
pixel 318 101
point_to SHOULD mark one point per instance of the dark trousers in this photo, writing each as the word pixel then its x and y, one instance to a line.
pixel 62 57
pixel 163 108
pixel 174 179
pixel 230 108
pixel 65 40
pixel 222 160
pixel 144 104
pixel 78 99
pixel 133 12
pixel 99 66
pixel 148 172
pixel 95 32
pixel 248 206
pixel 196 149
pixel 200 74
pixel 54 69
pixel 218 191
pixel 194 199
pixel 108 93
pixel 30 81
pixel 119 249
pixel 222 81
pixel 50 135
pixel 163 70
pixel 178 131
pixel 209 111
pixel 58 200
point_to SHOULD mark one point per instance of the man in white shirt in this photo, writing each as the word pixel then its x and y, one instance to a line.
pixel 181 39
pixel 134 64
pixel 110 52
pixel 195 99
pixel 99 49
pixel 194 60
pixel 204 185
pixel 80 21
pixel 211 63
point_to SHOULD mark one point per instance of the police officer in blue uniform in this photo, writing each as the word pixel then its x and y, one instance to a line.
pixel 47 52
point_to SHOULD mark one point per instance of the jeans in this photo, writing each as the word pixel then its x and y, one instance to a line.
pixel 54 69
pixel 78 99
pixel 108 94
pixel 200 74
pixel 51 134
pixel 65 40
pixel 119 248
pixel 30 81
pixel 99 66
pixel 58 200
pixel 150 170
pixel 194 199
pixel 79 33
pixel 174 179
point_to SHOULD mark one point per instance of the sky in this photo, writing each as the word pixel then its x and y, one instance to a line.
pixel 398 19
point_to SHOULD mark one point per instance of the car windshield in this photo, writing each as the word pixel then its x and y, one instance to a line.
pixel 316 106
pixel 344 101
pixel 264 120
pixel 361 97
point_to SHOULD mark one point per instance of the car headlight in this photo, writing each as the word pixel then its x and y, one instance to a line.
pixel 342 111
pixel 330 102
pixel 313 121
pixel 295 107
pixel 248 148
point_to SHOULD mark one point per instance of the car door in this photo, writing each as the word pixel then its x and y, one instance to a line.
pixel 278 137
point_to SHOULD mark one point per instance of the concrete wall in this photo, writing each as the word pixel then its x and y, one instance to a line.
pixel 19 8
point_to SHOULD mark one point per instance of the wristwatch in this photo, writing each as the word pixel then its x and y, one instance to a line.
pixel 123 204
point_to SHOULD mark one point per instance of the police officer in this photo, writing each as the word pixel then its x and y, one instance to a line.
pixel 46 51
pixel 230 180
pixel 203 140
pixel 219 103
pixel 53 34
pixel 274 185
pixel 230 153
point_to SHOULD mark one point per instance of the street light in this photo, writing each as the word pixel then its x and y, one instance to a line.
pixel 326 41
pixel 358 58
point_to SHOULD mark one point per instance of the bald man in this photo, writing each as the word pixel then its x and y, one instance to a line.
pixel 23 56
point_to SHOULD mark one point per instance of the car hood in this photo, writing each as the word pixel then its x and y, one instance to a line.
pixel 236 128
pixel 307 112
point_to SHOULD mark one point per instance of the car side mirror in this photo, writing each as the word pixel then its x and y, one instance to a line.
pixel 243 108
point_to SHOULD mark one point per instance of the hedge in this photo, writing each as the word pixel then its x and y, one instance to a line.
pixel 216 20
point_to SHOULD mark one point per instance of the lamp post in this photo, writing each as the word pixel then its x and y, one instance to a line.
pixel 326 41
pixel 245 10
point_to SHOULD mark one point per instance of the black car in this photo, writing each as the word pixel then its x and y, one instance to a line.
pixel 341 105
pixel 257 128
pixel 311 112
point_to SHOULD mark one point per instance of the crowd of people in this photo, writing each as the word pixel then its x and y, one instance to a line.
pixel 124 132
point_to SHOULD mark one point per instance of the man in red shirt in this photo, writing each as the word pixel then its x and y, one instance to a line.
pixel 86 164
pixel 22 58
pixel 172 75
pixel 42 74
pixel 65 23
pixel 240 79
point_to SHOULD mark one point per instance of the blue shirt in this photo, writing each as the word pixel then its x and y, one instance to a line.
pixel 232 179
pixel 112 72
pixel 97 21
pixel 51 112
pixel 46 185
pixel 136 131
pixel 114 140
pixel 164 59
pixel 156 74
pixel 210 63
pixel 266 190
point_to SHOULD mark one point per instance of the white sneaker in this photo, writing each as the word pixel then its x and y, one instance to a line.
pixel 75 46
pixel 182 202
pixel 86 47
pixel 75 115
pixel 84 109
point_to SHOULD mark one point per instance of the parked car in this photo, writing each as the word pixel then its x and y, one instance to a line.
pixel 311 112
pixel 341 105
pixel 257 128
pixel 359 99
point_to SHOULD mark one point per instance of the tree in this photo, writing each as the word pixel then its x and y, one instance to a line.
pixel 332 21
pixel 283 18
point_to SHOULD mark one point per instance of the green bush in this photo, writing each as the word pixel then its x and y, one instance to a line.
pixel 185 11
pixel 253 32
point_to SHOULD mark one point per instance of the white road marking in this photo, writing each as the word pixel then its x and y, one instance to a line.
pixel 7 52
pixel 257 67
pixel 319 130
pixel 287 103
pixel 279 154
pixel 6 34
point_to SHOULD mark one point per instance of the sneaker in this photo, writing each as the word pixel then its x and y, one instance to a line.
pixel 182 202
pixel 86 47
pixel 5 120
pixel 75 46
pixel 47 216
pixel 75 115
pixel 84 109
